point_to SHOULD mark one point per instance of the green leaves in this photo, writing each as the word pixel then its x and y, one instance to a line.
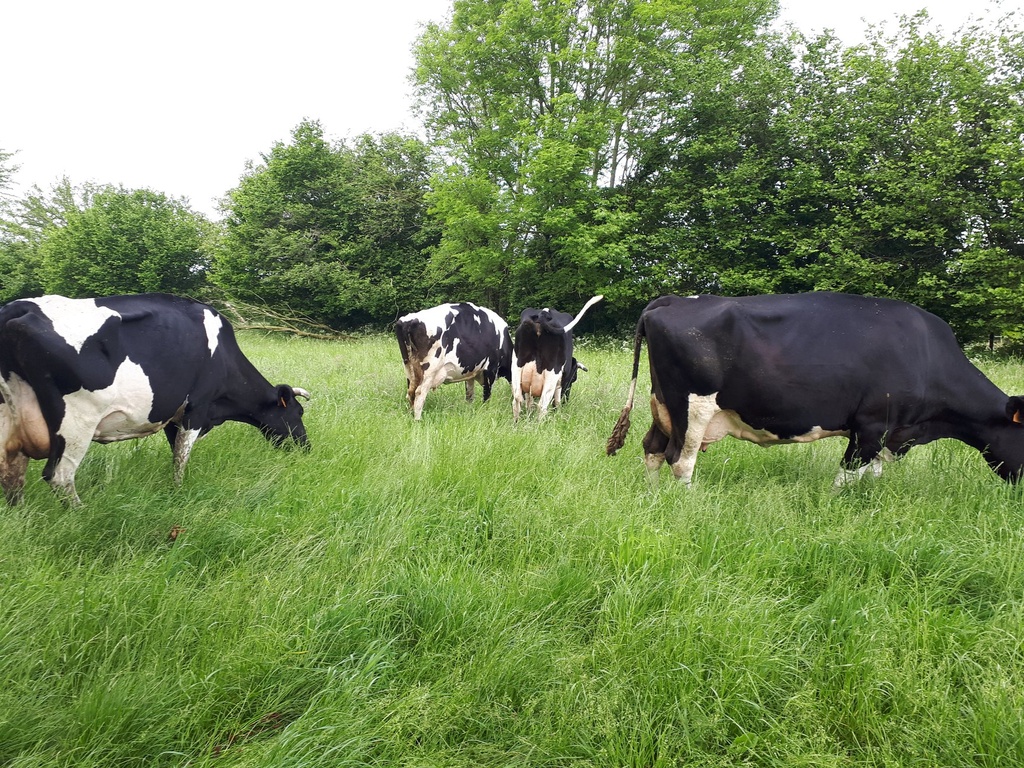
pixel 333 232
pixel 647 148
pixel 125 242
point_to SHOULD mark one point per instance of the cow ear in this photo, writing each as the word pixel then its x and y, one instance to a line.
pixel 1015 409
pixel 284 395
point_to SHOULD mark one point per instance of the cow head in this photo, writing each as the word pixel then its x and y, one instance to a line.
pixel 281 419
pixel 1004 451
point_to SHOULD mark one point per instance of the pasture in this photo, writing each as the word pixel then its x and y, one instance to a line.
pixel 468 592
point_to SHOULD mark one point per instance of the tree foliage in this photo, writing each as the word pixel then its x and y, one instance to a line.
pixel 549 111
pixel 7 171
pixel 643 148
pixel 23 229
pixel 334 232
pixel 627 147
pixel 124 241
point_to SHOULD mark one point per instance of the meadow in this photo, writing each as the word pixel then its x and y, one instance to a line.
pixel 468 592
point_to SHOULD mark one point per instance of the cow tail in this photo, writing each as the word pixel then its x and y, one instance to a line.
pixel 414 372
pixel 593 300
pixel 621 429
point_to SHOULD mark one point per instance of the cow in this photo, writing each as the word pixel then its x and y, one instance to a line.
pixel 75 371
pixel 544 366
pixel 453 342
pixel 885 374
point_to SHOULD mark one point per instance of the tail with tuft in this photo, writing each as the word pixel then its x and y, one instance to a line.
pixel 618 436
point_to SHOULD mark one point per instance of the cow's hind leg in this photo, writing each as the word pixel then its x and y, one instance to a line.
pixel 182 441
pixel 700 411
pixel 547 395
pixel 432 378
pixel 65 456
pixel 413 380
pixel 13 467
pixel 487 380
pixel 517 391
pixel 655 443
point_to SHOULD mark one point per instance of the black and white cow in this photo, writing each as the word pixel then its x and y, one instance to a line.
pixel 792 369
pixel 453 342
pixel 544 367
pixel 73 371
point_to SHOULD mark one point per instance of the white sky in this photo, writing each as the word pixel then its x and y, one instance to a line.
pixel 178 96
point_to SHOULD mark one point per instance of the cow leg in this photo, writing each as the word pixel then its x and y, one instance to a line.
pixel 415 375
pixel 424 386
pixel 184 439
pixel 62 465
pixel 12 476
pixel 701 410
pixel 547 394
pixel 655 443
pixel 517 391
pixel 418 399
pixel 487 380
pixel 858 461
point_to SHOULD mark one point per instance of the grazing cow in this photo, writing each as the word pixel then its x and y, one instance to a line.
pixel 453 342
pixel 792 369
pixel 74 371
pixel 544 367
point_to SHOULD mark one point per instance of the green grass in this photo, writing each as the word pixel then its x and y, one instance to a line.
pixel 468 592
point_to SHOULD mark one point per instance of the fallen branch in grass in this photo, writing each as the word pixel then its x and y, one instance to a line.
pixel 253 317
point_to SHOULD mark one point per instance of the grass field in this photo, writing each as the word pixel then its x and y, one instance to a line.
pixel 468 592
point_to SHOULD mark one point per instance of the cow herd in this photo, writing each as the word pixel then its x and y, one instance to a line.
pixel 768 369
pixel 464 342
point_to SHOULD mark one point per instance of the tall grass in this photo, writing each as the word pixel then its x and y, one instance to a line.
pixel 464 591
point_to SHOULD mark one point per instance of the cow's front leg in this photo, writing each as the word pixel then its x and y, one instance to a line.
pixel 469 389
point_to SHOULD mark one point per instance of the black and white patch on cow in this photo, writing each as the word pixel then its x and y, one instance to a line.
pixel 796 368
pixel 450 343
pixel 77 371
pixel 544 368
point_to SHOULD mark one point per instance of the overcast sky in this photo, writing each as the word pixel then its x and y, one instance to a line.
pixel 178 96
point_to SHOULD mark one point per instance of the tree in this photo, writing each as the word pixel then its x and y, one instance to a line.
pixel 912 176
pixel 646 148
pixel 334 232
pixel 7 171
pixel 16 273
pixel 22 231
pixel 548 111
pixel 125 241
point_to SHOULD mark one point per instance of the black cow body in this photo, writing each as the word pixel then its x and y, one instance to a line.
pixel 781 369
pixel 545 368
pixel 73 371
pixel 453 342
